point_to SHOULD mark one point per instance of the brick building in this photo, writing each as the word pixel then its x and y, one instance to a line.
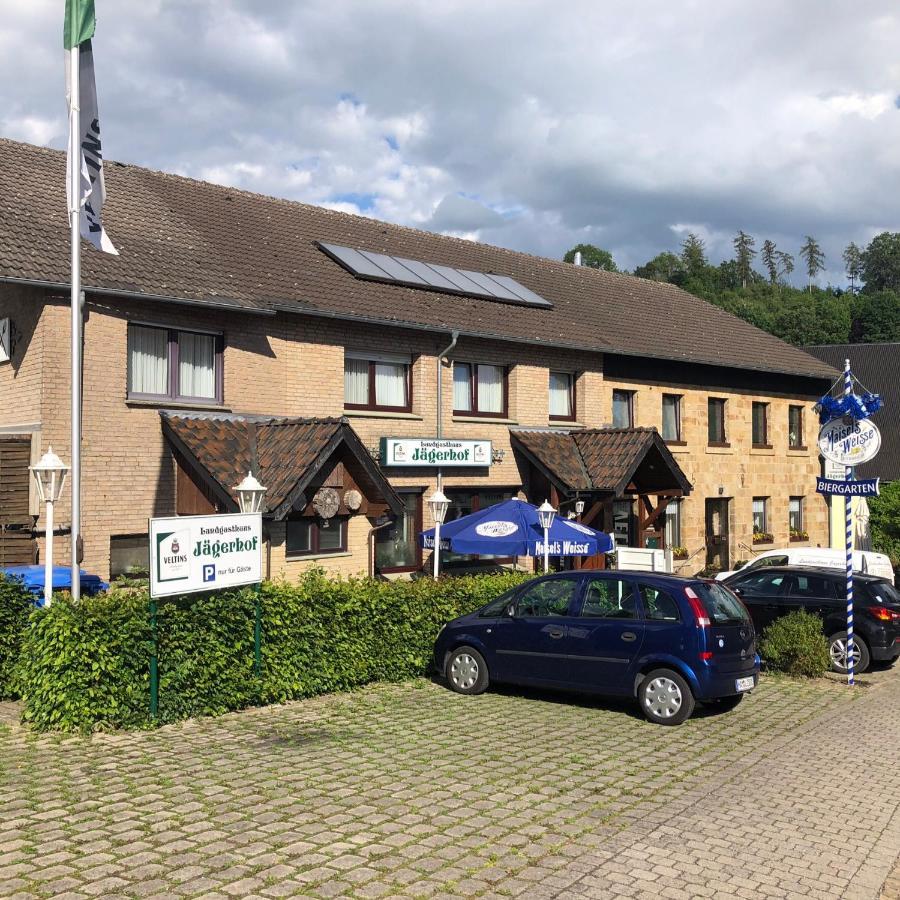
pixel 236 331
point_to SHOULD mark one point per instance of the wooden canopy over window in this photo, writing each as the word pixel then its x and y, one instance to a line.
pixel 292 458
pixel 600 466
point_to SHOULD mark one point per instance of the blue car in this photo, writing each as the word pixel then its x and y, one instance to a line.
pixel 666 641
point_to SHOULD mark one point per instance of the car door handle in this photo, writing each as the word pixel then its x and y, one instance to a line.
pixel 629 636
pixel 556 632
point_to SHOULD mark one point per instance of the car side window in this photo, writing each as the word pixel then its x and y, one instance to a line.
pixel 498 607
pixel 659 606
pixel 812 586
pixel 766 562
pixel 609 598
pixel 761 584
pixel 548 598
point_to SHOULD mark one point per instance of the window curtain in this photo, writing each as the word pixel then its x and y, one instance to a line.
pixel 490 389
pixel 390 384
pixel 560 394
pixel 197 365
pixel 759 515
pixel 356 381
pixel 621 409
pixel 795 514
pixel 149 360
pixel 462 401
pixel 670 418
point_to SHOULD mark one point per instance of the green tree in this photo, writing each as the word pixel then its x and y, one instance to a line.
pixel 663 267
pixel 744 251
pixel 693 255
pixel 814 258
pixel 853 262
pixel 876 318
pixel 592 257
pixel 884 521
pixel 770 260
pixel 881 262
pixel 785 263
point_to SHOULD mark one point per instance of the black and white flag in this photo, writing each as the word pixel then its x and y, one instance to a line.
pixel 91 192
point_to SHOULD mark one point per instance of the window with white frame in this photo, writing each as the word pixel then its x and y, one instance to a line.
pixel 795 515
pixel 562 396
pixel 479 389
pixel 166 363
pixel 377 381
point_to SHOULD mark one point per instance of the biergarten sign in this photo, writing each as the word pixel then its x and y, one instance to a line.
pixel 445 452
pixel 849 443
pixel 204 553
pixel 866 488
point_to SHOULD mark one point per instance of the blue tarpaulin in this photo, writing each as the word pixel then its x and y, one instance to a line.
pixel 512 528
pixel 33 579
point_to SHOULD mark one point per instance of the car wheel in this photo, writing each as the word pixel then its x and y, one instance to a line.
pixel 724 704
pixel 466 671
pixel 665 697
pixel 837 650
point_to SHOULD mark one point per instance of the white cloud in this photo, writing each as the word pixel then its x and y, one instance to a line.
pixel 597 121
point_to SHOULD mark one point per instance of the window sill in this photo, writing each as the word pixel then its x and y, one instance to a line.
pixel 485 420
pixel 175 404
pixel 673 443
pixel 798 451
pixel 309 557
pixel 381 414
pixel 566 423
pixel 762 450
pixel 719 448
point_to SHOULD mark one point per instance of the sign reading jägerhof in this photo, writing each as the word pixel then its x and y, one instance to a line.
pixel 204 553
pixel 434 452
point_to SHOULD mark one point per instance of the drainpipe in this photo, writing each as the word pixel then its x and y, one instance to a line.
pixel 440 394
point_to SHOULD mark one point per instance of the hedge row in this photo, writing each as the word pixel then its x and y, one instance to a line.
pixel 85 666
pixel 15 605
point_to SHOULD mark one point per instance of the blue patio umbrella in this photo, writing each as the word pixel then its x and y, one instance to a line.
pixel 512 528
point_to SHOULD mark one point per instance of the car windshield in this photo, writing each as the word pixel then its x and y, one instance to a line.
pixel 884 592
pixel 723 607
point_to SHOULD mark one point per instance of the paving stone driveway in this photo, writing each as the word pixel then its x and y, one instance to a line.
pixel 410 790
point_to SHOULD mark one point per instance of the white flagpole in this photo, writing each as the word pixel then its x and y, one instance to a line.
pixel 75 225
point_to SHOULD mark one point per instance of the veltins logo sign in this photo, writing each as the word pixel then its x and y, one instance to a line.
pixel 202 553
pixel 849 444
pixel 420 452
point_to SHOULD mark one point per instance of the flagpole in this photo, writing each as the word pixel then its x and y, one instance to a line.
pixel 75 225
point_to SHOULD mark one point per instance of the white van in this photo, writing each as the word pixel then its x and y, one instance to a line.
pixel 863 561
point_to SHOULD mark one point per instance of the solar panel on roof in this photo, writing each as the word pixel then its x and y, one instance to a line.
pixel 373 266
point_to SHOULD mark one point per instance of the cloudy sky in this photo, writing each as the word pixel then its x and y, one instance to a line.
pixel 531 124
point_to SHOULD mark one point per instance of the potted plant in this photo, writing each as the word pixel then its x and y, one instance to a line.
pixel 679 553
pixel 763 537
pixel 799 535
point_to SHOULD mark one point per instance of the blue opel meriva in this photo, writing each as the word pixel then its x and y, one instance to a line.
pixel 664 640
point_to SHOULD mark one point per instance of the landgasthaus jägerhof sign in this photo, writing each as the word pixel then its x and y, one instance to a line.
pixel 204 553
pixel 849 443
pixel 443 452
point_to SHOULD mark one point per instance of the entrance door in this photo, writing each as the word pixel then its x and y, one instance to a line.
pixel 718 551
pixel 17 545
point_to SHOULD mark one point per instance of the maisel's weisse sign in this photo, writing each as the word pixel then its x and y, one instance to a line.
pixel 443 452
pixel 849 443
pixel 867 488
pixel 203 553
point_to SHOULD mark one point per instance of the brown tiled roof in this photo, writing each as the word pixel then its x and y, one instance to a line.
pixel 875 365
pixel 200 242
pixel 602 459
pixel 283 453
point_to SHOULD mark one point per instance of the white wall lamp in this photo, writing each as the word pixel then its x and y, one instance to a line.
pixel 438 504
pixel 546 514
pixel 251 495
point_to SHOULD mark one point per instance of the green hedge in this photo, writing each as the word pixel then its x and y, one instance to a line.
pixel 795 644
pixel 15 605
pixel 85 666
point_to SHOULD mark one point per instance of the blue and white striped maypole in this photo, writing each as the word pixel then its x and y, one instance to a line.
pixel 848 508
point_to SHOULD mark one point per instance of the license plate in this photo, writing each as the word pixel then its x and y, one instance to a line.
pixel 744 684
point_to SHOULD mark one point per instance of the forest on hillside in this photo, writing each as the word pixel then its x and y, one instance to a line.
pixel 754 285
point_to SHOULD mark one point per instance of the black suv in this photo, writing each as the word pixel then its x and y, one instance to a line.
pixel 774 592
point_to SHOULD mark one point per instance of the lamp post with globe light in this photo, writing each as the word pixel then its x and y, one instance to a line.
pixel 251 498
pixel 438 504
pixel 546 515
pixel 50 476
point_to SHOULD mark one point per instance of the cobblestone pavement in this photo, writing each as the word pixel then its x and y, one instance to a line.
pixel 410 790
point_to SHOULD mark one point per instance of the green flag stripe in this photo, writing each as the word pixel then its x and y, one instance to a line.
pixel 80 23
